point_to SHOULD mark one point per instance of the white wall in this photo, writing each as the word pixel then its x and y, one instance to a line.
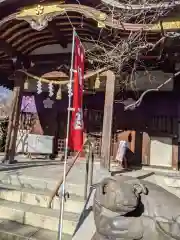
pixel 161 151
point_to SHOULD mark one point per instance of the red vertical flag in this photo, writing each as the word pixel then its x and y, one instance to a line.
pixel 77 125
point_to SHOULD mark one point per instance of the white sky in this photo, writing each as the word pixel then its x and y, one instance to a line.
pixel 5 93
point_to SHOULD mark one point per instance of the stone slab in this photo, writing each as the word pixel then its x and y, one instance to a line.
pixel 13 211
pixel 45 235
pixel 39 198
pixel 48 235
pixel 37 216
pixel 15 231
pixel 47 177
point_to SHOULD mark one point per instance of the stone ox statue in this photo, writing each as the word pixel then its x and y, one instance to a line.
pixel 128 208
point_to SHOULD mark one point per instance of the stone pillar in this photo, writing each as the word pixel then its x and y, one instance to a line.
pixel 107 120
pixel 13 125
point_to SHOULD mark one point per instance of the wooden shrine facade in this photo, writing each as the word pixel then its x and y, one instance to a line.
pixel 23 31
pixel 156 118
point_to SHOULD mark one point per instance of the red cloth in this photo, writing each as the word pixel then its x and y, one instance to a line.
pixel 77 125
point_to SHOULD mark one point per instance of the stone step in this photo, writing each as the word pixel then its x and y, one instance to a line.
pixel 38 197
pixel 45 184
pixel 16 231
pixel 37 216
pixel 46 177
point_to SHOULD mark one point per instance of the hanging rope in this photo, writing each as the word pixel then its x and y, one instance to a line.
pixel 44 80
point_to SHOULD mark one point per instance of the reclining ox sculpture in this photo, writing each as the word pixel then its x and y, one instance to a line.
pixel 128 208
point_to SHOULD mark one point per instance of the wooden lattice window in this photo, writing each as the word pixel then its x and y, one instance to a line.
pixel 163 124
pixel 26 121
pixel 61 145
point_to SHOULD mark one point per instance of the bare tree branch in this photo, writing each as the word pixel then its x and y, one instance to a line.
pixel 123 51
pixel 138 102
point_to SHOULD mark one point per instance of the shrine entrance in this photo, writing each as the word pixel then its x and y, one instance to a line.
pixel 35 56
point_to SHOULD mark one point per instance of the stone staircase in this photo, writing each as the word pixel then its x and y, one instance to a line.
pixel 24 197
pixel 25 194
pixel 28 207
pixel 24 212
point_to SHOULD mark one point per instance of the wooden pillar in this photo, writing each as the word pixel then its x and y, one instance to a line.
pixel 176 126
pixel 10 148
pixel 107 120
pixel 176 139
pixel 146 149
pixel 175 162
pixel 138 147
pixel 8 138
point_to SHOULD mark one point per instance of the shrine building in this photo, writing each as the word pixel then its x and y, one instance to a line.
pixel 35 59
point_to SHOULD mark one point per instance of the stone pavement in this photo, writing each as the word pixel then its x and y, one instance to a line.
pixel 45 174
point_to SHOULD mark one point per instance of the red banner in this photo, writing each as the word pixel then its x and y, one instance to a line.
pixel 77 125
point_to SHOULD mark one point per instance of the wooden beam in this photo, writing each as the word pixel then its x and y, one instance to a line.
pixel 58 57
pixel 176 127
pixel 55 31
pixel 175 155
pixel 108 120
pixel 13 53
pixel 176 138
pixel 146 149
pixel 10 124
pixel 13 125
pixel 8 49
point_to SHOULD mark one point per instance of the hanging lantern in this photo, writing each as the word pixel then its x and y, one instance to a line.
pixel 51 90
pixel 59 93
pixel 97 82
pixel 26 84
pixel 39 87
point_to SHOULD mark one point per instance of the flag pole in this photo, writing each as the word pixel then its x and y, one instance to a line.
pixel 60 227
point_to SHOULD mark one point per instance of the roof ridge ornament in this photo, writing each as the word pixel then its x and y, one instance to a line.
pixel 39 10
pixel 38 16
